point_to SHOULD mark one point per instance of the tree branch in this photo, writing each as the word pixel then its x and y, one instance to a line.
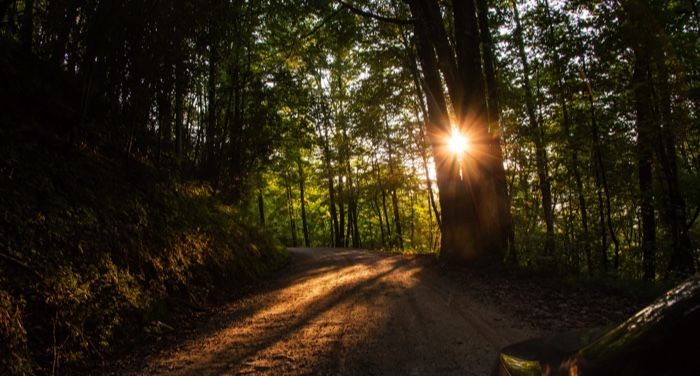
pixel 314 30
pixel 364 13
pixel 320 25
pixel 695 217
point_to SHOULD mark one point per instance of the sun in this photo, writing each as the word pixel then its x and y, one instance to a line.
pixel 457 142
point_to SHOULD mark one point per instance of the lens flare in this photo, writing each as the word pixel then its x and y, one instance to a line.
pixel 457 143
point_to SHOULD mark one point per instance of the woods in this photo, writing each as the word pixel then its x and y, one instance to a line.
pixel 331 123
pixel 338 115
pixel 562 96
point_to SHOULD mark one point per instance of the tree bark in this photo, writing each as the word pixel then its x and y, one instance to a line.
pixel 210 142
pixel 412 217
pixel 397 218
pixel 429 183
pixel 329 177
pixel 421 141
pixel 290 211
pixel 458 238
pixel 655 128
pixel 375 204
pixel 261 209
pixel 494 119
pixel 602 182
pixel 334 213
pixel 386 217
pixel 642 98
pixel 356 241
pixel 340 199
pixel 682 260
pixel 538 137
pixel 566 123
pixel 578 181
pixel 179 81
pixel 304 226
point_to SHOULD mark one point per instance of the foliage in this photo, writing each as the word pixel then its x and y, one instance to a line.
pixel 582 61
pixel 95 245
pixel 348 134
pixel 314 120
pixel 92 254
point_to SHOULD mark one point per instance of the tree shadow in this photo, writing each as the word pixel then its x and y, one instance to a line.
pixel 344 312
pixel 231 355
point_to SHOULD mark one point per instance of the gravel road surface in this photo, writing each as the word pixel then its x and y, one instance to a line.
pixel 339 311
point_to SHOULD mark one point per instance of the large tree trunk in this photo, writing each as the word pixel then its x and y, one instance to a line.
pixel 438 127
pixel 467 197
pixel 479 165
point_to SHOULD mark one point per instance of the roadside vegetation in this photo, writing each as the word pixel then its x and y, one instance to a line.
pixel 151 150
pixel 97 247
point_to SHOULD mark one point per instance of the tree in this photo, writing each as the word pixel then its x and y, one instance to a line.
pixel 337 113
pixel 468 194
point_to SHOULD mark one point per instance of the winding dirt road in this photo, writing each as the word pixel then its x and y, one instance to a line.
pixel 347 312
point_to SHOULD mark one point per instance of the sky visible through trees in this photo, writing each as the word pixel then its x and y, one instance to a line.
pixel 330 123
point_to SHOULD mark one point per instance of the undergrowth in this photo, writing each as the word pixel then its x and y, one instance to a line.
pixel 92 250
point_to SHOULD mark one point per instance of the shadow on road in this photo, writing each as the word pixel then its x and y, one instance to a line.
pixel 343 312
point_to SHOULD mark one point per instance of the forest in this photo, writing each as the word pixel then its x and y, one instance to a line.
pixel 140 137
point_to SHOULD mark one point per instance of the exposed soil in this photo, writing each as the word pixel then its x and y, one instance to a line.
pixel 359 312
pixel 548 303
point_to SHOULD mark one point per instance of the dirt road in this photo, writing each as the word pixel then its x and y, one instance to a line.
pixel 347 312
